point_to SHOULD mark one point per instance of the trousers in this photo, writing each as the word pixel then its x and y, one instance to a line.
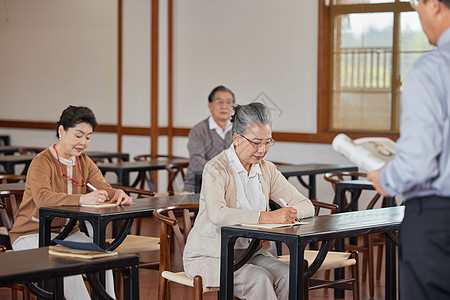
pixel 74 287
pixel 424 250
pixel 262 277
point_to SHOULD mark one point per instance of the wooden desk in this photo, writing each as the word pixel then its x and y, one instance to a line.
pixel 100 217
pixel 37 265
pixel 320 228
pixel 9 150
pixel 10 161
pixel 19 186
pixel 311 170
pixel 356 187
pixel 108 155
pixel 123 169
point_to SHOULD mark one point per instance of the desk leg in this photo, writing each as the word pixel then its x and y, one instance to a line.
pixel 59 290
pixel 45 224
pixel 296 270
pixel 391 266
pixel 131 283
pixel 226 267
pixel 99 232
pixel 312 186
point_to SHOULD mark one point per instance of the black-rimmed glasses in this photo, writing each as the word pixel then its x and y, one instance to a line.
pixel 259 144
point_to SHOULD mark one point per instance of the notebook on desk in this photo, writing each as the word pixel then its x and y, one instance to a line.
pixel 273 226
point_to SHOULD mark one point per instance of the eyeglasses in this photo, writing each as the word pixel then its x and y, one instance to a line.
pixel 414 4
pixel 266 144
pixel 226 102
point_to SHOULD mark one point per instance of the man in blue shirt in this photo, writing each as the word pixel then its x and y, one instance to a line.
pixel 421 168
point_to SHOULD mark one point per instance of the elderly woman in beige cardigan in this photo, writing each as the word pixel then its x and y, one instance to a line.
pixel 236 188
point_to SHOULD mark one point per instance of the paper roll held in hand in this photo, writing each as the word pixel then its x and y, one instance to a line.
pixel 367 154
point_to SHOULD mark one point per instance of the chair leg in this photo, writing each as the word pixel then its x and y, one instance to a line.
pixel 379 260
pixel 370 265
pixel 198 288
pixel 118 283
pixel 355 274
pixel 162 286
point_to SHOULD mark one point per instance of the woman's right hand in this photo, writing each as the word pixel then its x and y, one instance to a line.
pixel 285 215
pixel 94 197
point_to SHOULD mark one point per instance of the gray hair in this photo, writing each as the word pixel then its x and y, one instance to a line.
pixel 253 113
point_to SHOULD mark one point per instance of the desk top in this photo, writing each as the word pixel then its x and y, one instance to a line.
pixel 328 227
pixel 19 186
pixel 37 264
pixel 311 169
pixel 360 184
pixel 158 164
pixel 16 158
pixel 108 155
pixel 140 207
pixel 9 149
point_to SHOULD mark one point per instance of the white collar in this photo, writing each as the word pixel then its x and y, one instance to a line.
pixel 67 162
pixel 237 166
pixel 213 125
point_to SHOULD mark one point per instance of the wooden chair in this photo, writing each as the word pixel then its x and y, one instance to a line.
pixel 173 169
pixel 332 261
pixel 170 230
pixel 15 288
pixel 9 178
pixel 30 150
pixel 10 201
pixel 369 241
pixel 136 243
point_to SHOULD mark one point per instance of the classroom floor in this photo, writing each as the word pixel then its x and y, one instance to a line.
pixel 148 282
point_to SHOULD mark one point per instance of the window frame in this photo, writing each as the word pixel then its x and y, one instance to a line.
pixel 327 12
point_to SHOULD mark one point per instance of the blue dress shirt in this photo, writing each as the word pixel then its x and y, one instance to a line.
pixel 421 166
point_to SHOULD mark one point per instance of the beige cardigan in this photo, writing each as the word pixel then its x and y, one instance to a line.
pixel 45 187
pixel 218 208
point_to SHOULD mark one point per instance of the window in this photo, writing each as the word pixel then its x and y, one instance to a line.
pixel 373 44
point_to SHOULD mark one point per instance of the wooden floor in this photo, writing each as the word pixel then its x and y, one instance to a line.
pixel 148 282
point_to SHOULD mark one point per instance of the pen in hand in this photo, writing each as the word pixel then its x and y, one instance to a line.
pixel 94 189
pixel 286 205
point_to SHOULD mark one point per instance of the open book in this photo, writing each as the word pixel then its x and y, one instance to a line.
pixel 272 226
pixel 79 250
pixel 368 154
pixel 77 253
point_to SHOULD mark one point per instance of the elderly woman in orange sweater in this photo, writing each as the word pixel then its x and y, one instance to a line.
pixel 58 176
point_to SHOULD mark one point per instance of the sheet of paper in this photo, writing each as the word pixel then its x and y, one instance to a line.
pixel 272 226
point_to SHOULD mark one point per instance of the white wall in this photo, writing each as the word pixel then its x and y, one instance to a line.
pixel 253 47
pixel 54 53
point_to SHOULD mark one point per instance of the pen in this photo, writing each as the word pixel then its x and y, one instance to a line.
pixel 94 188
pixel 286 205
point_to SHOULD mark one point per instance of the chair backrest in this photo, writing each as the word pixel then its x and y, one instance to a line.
pixel 170 228
pixel 135 194
pixel 9 178
pixel 10 201
pixel 338 176
pixel 173 169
